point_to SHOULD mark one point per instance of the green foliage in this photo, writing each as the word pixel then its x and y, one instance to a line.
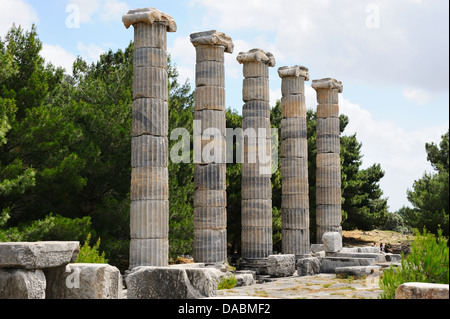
pixel 428 261
pixel 227 282
pixel 430 194
pixel 90 254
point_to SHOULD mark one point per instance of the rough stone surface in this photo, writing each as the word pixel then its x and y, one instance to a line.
pixel 332 241
pixel 309 266
pixel 38 255
pixel 149 16
pixel 281 265
pixel 357 271
pixel 172 283
pixel 22 284
pixel 244 280
pixel 84 281
pixel 422 290
pixel 212 38
pixel 329 264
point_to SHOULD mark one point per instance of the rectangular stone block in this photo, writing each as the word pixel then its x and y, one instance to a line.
pixel 294 167
pixel 38 255
pixel 150 116
pixel 84 281
pixel 172 283
pixel 308 266
pixel 328 160
pixel 332 241
pixel 151 182
pixel 322 229
pixel 328 177
pixel 22 284
pixel 149 219
pixel 328 196
pixel 328 144
pixel 328 215
pixel 329 264
pixel 294 201
pixel 328 126
pixel 281 265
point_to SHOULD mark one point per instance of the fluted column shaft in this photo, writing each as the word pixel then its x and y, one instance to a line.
pixel 294 162
pixel 210 214
pixel 328 163
pixel 256 188
pixel 149 210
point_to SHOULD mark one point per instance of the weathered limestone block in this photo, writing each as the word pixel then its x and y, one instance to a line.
pixel 244 280
pixel 210 73
pixel 210 217
pixel 357 271
pixel 149 16
pixel 256 242
pixel 294 201
pixel 295 241
pixel 332 241
pixel 210 198
pixel 295 185
pixel 84 281
pixel 149 219
pixel 256 188
pixel 281 265
pixel 172 283
pixel 328 176
pixel 256 109
pixel 328 110
pixel 210 245
pixel 328 196
pixel 148 150
pixel 256 213
pixel 212 38
pixel 149 252
pixel 214 119
pixel 155 57
pixel 295 218
pixel 328 214
pixel 329 264
pixel 209 98
pixel 422 290
pixel 293 105
pixel 328 144
pixel 255 70
pixel 150 182
pixel 22 284
pixel 309 266
pixel 210 176
pixel 294 167
pixel 256 55
pixel 293 127
pixel 150 116
pixel 150 82
pixel 37 255
pixel 255 89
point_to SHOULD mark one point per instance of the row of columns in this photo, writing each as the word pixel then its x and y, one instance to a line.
pixel 149 211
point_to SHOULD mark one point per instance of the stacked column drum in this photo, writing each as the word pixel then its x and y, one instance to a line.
pixel 256 188
pixel 328 163
pixel 210 215
pixel 149 211
pixel 294 162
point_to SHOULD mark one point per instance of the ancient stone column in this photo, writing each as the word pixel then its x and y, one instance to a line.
pixel 328 163
pixel 210 214
pixel 294 162
pixel 256 188
pixel 149 211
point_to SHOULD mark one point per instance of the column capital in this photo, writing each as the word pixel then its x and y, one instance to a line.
pixel 212 37
pixel 294 71
pixel 149 16
pixel 327 83
pixel 256 55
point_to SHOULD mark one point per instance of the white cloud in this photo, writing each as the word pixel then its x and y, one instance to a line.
pixel 58 56
pixel 400 153
pixel 182 53
pixel 113 10
pixel 417 96
pixel 90 52
pixel 108 10
pixel 335 38
pixel 18 12
pixel 86 8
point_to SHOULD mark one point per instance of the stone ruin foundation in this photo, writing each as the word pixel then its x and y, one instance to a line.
pixel 47 270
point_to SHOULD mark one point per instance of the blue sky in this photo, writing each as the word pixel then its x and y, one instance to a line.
pixel 391 55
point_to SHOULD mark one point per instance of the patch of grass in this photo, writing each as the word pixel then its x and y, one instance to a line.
pixel 227 282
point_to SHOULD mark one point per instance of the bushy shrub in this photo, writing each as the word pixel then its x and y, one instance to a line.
pixel 227 282
pixel 427 262
pixel 90 254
